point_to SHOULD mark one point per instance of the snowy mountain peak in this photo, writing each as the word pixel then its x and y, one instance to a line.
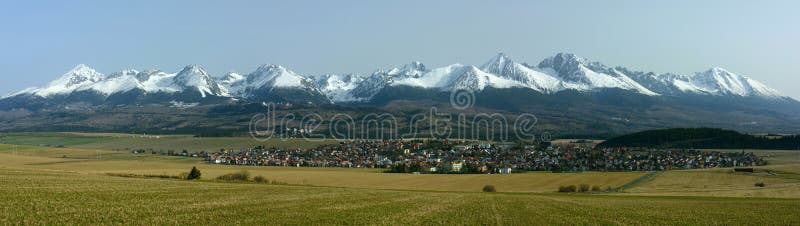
pixel 266 78
pixel 498 64
pixel 581 74
pixel 531 77
pixel 719 70
pixel 273 75
pixel 473 78
pixel 570 57
pixel 721 73
pixel 563 71
pixel 82 69
pixel 718 81
pixel 194 76
pixel 563 62
pixel 268 67
pixel 498 61
pixel 193 69
pixel 80 74
pixel 414 69
pixel 338 87
pixel 414 66
pixel 470 78
pixel 501 55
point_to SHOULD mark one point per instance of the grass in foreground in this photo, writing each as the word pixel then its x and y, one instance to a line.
pixel 72 185
pixel 718 182
pixel 39 197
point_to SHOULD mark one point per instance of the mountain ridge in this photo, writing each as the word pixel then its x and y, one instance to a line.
pixel 563 71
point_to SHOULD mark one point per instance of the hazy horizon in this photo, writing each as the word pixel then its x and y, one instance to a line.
pixel 42 40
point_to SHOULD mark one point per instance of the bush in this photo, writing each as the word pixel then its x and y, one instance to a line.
pixel 760 184
pixel 260 179
pixel 240 176
pixel 489 188
pixel 194 174
pixel 595 188
pixel 584 188
pixel 570 188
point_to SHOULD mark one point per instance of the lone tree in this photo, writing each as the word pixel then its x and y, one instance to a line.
pixel 194 174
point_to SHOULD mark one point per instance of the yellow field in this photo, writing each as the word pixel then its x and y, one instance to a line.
pixel 783 182
pixel 102 162
pixel 75 185
pixel 57 198
pixel 717 183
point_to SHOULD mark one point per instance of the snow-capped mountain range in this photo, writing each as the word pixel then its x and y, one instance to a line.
pixel 554 74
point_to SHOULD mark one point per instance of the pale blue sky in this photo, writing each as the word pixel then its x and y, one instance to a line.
pixel 40 40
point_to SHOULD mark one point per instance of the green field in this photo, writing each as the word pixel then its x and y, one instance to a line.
pixel 78 184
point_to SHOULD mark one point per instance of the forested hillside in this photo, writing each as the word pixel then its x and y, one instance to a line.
pixel 702 138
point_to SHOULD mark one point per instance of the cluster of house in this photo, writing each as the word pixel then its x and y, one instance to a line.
pixel 625 159
pixel 442 156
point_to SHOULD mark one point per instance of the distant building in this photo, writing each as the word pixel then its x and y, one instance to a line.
pixel 484 169
pixel 456 166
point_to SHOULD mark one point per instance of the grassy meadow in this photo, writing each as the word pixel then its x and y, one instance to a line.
pixel 69 178
pixel 116 162
pixel 77 198
pixel 782 177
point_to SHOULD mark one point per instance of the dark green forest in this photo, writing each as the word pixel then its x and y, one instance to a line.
pixel 703 138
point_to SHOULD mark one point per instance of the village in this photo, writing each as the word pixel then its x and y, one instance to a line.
pixel 447 156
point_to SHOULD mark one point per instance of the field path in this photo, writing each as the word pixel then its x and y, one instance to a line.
pixel 645 178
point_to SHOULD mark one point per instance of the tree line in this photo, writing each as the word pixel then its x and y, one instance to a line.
pixel 711 138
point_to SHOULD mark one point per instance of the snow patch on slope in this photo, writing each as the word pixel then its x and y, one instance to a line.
pixel 121 83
